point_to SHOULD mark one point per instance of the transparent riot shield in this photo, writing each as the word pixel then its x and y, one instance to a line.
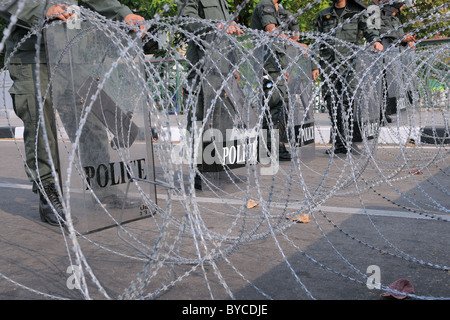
pixel 301 104
pixel 229 114
pixel 368 94
pixel 410 92
pixel 105 144
pixel 393 71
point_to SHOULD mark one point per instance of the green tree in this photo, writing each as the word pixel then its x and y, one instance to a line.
pixel 433 14
pixel 437 21
pixel 149 8
pixel 427 18
pixel 306 17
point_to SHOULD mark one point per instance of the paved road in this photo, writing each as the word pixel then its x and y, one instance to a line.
pixel 376 219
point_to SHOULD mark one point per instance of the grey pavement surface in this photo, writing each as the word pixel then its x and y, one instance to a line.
pixel 376 218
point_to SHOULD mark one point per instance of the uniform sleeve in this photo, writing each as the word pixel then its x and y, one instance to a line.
pixel 400 31
pixel 31 14
pixel 190 9
pixel 268 15
pixel 293 24
pixel 111 9
pixel 317 24
pixel 316 57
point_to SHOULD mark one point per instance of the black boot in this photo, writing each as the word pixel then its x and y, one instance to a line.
pixel 336 150
pixel 391 107
pixel 51 211
pixel 283 154
pixel 198 182
pixel 338 145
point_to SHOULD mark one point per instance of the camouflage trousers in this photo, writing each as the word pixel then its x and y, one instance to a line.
pixel 40 137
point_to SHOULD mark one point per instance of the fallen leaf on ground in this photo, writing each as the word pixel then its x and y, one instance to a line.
pixel 300 217
pixel 251 204
pixel 400 285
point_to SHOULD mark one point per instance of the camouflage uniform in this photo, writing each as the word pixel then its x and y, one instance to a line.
pixel 336 60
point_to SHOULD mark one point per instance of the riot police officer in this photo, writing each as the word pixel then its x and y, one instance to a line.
pixel 341 24
pixel 391 30
pixel 270 16
pixel 214 10
pixel 22 68
pixel 393 39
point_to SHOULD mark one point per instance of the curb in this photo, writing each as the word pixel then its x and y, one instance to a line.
pixel 11 132
pixel 388 135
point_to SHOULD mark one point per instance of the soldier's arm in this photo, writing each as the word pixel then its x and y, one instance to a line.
pixel 294 27
pixel 232 28
pixel 267 16
pixel 32 13
pixel 113 9
pixel 272 28
pixel 58 12
pixel 370 32
pixel 191 9
pixel 314 64
pixel 409 40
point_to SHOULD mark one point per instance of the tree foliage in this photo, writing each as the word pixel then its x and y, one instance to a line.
pixel 428 18
pixel 307 10
pixel 419 19
pixel 149 8
pixel 300 8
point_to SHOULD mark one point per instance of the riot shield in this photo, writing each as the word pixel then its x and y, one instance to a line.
pixel 393 71
pixel 105 147
pixel 301 104
pixel 410 93
pixel 229 116
pixel 368 94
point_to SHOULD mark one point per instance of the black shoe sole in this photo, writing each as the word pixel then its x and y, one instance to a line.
pixel 45 219
pixel 336 151
pixel 198 186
